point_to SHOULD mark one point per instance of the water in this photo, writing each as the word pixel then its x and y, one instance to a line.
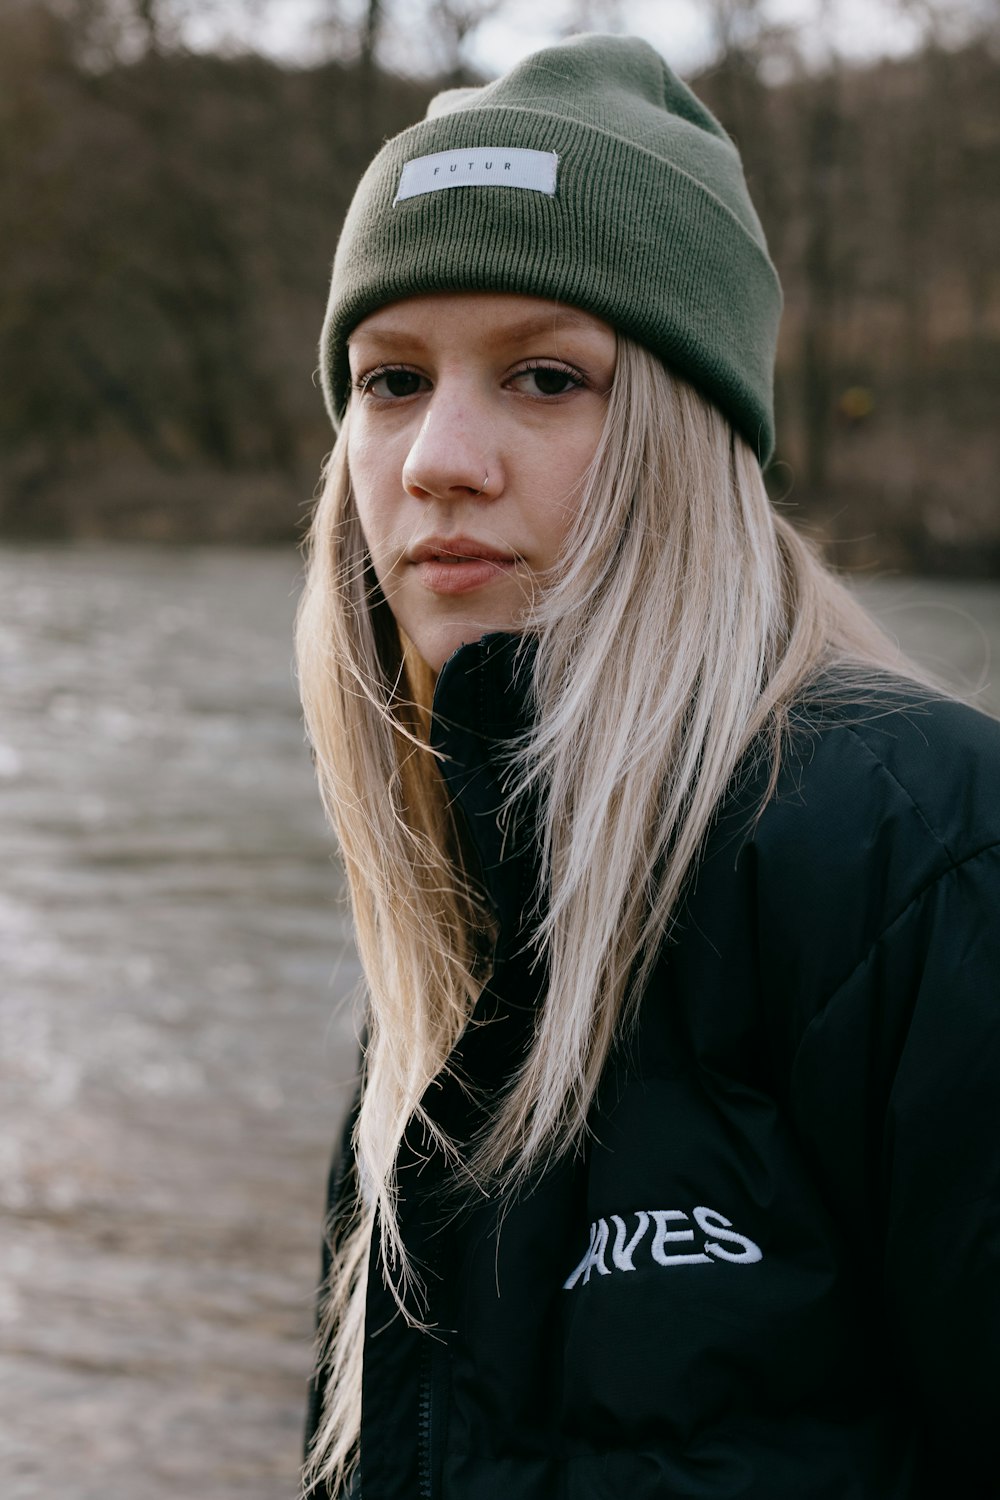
pixel 175 1032
pixel 170 1078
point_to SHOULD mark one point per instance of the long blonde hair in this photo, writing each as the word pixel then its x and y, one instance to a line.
pixel 681 624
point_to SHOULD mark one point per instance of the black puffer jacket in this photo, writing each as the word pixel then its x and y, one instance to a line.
pixel 774 1273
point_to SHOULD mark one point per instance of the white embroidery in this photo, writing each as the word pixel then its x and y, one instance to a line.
pixel 725 1231
pixel 597 1254
pixel 717 1229
pixel 574 1276
pixel 479 166
pixel 622 1253
pixel 594 1257
pixel 661 1217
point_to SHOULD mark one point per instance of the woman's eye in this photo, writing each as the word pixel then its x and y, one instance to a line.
pixel 390 384
pixel 550 380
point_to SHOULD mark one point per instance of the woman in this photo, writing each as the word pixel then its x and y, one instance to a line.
pixel 672 1170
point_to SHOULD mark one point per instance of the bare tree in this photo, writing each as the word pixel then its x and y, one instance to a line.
pixel 454 23
pixel 374 15
pixel 594 15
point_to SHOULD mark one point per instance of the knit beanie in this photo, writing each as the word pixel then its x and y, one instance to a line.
pixel 590 175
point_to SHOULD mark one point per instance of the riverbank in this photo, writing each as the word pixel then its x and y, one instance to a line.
pixel 176 1037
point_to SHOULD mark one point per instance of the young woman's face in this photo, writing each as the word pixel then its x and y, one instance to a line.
pixel 473 418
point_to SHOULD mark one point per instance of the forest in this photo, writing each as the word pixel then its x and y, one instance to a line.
pixel 169 214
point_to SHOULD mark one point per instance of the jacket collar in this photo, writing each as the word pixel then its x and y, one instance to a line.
pixel 485 686
pixel 482 707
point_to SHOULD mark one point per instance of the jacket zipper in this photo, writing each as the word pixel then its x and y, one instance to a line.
pixel 425 1409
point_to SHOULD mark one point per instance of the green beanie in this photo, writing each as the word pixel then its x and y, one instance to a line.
pixel 591 175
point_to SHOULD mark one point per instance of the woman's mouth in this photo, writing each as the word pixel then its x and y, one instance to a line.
pixel 457 565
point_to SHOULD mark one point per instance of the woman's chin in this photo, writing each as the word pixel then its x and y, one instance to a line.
pixel 436 644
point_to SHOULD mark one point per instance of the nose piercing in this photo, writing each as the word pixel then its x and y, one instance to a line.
pixel 486 479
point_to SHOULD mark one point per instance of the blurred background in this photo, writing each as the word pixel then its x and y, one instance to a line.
pixel 175 172
pixel 176 1032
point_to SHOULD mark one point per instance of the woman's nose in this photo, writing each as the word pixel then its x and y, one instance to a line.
pixel 454 455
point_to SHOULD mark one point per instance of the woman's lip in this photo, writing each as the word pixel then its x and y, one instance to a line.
pixel 455 549
pixel 463 575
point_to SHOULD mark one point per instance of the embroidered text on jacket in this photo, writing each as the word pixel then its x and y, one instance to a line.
pixel 722 1242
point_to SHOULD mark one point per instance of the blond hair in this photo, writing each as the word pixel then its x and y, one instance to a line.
pixel 683 621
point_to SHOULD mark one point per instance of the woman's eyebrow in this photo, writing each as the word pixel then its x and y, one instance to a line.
pixel 543 323
pixel 508 333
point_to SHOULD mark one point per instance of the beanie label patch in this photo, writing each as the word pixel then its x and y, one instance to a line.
pixel 479 166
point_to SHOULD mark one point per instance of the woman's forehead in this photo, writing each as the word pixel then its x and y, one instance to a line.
pixel 479 317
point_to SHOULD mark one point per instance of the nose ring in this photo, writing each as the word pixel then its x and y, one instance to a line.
pixel 486 479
